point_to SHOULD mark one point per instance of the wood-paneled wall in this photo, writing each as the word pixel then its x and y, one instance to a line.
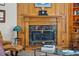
pixel 56 9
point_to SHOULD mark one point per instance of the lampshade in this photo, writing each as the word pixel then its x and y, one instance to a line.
pixel 17 28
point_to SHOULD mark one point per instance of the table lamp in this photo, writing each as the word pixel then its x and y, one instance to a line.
pixel 16 29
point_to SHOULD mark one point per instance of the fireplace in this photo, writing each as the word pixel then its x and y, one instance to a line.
pixel 41 29
pixel 42 34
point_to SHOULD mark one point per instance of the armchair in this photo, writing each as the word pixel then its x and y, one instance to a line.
pixel 8 47
pixel 3 43
pixel 2 53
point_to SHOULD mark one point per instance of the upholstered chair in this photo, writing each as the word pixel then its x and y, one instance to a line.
pixel 3 43
pixel 3 40
pixel 2 53
pixel 9 48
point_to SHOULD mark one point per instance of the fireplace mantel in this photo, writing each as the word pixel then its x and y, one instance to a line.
pixel 37 16
pixel 41 20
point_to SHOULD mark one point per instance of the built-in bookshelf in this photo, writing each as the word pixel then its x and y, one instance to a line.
pixel 75 26
pixel 75 18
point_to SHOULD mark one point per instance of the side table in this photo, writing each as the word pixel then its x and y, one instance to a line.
pixel 39 50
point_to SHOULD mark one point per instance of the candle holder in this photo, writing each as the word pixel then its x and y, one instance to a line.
pixel 43 11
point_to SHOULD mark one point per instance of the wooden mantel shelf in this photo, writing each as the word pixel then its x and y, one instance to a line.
pixel 37 16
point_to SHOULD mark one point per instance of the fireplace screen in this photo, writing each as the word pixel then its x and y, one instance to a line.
pixel 42 33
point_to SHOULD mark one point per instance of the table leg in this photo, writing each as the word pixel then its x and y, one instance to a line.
pixel 46 54
pixel 35 52
pixel 16 53
pixel 11 52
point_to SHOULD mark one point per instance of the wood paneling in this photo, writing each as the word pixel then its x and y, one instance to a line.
pixel 34 11
pixel 56 9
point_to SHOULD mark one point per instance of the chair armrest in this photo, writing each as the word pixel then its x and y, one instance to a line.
pixel 6 42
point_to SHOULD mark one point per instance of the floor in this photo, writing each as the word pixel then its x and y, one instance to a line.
pixel 30 52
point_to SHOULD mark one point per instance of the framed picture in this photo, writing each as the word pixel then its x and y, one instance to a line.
pixel 43 4
pixel 2 16
pixel 2 4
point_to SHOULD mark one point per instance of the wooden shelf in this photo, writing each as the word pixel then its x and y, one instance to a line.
pixel 41 30
pixel 75 33
pixel 75 7
pixel 37 16
pixel 75 26
pixel 75 15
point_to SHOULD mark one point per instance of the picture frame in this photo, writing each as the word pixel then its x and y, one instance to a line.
pixel 2 4
pixel 47 5
pixel 2 16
